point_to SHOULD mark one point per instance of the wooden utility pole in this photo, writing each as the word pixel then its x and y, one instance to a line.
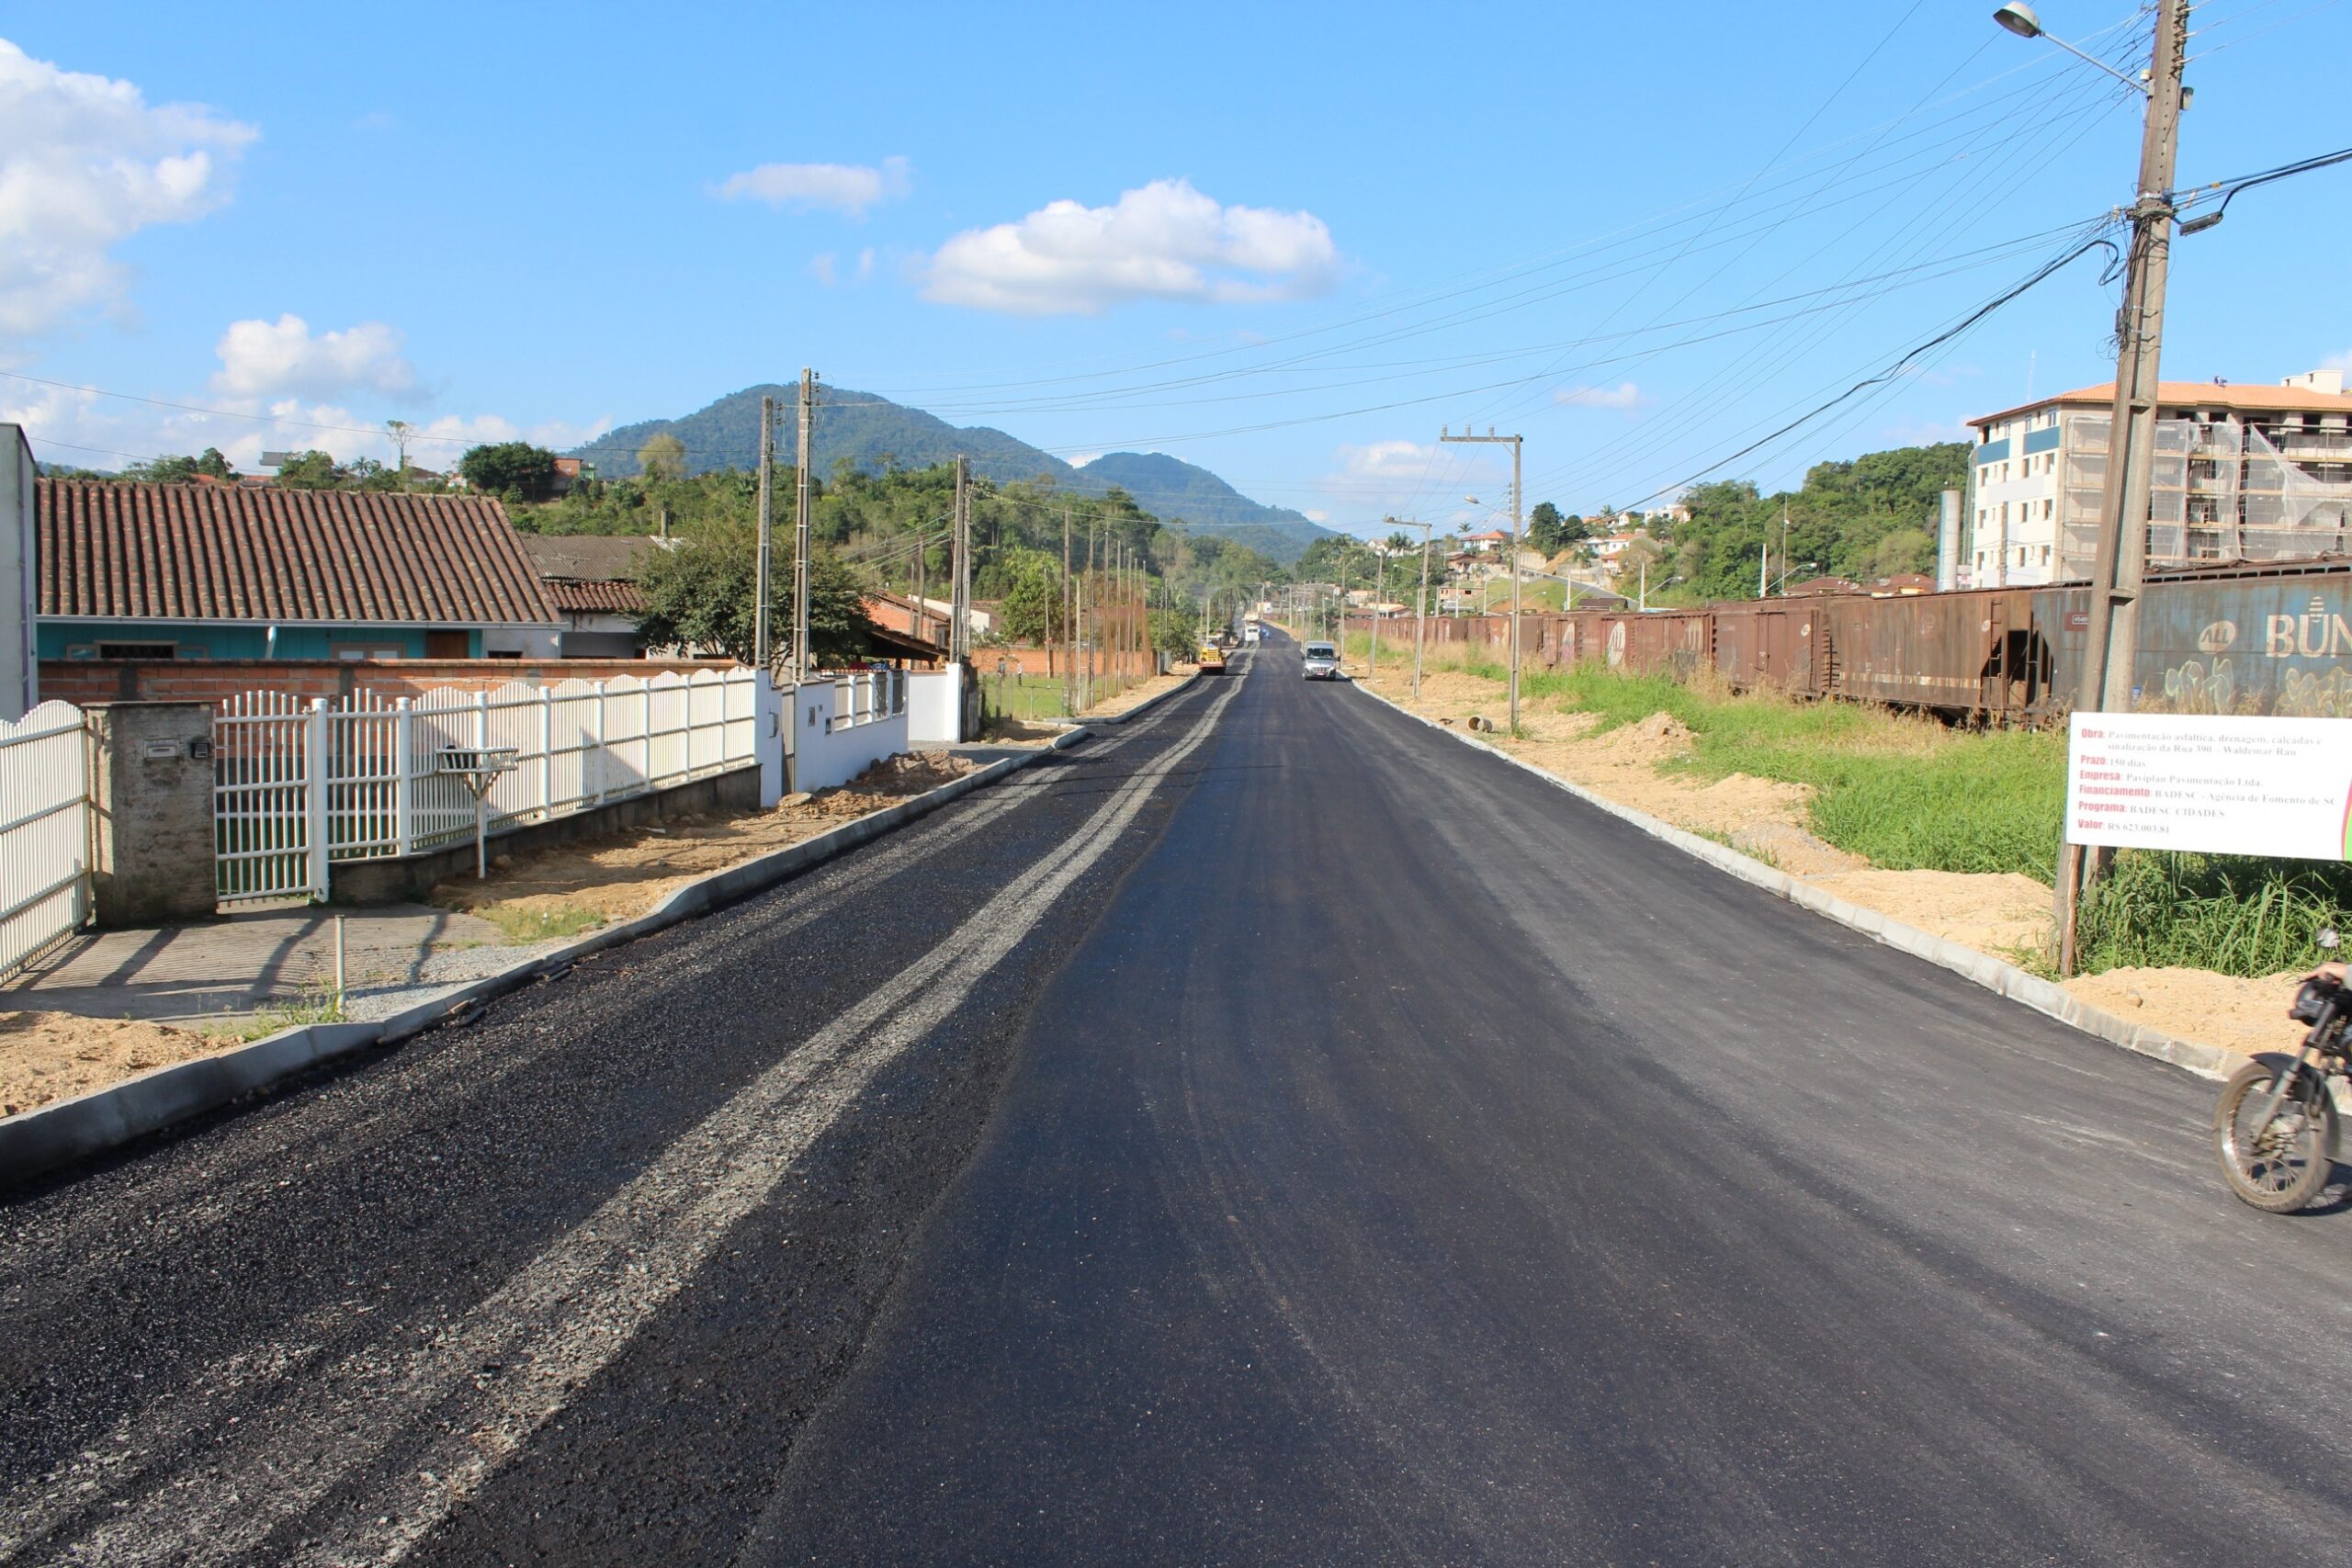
pixel 959 611
pixel 2120 565
pixel 1069 628
pixel 1515 442
pixel 760 593
pixel 802 505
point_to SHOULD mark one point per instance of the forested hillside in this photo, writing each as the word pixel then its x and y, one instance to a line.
pixel 875 433
pixel 1867 518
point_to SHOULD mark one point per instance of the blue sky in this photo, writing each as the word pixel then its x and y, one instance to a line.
pixel 1286 243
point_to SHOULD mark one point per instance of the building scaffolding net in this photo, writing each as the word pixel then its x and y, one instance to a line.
pixel 2222 491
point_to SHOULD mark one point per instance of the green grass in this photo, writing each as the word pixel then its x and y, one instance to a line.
pixel 517 924
pixel 2226 912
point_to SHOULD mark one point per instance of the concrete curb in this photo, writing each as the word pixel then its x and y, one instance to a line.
pixel 47 1136
pixel 2043 995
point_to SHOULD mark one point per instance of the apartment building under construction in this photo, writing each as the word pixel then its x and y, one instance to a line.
pixel 2253 473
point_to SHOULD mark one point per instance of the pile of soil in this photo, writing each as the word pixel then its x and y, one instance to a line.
pixel 55 1055
pixel 1661 737
pixel 2197 1004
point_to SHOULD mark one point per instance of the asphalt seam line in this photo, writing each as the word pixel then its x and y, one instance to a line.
pixel 2043 995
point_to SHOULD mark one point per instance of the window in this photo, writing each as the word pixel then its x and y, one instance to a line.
pixel 138 650
pixel 357 652
pixel 2048 509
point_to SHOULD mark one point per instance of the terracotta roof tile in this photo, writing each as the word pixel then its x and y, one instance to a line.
pixel 607 597
pixel 214 553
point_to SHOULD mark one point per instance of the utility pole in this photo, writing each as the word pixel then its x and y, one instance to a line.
pixel 1421 601
pixel 2121 562
pixel 1380 581
pixel 1069 630
pixel 959 630
pixel 802 504
pixel 768 534
pixel 1515 442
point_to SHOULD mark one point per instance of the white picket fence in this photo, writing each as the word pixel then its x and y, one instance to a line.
pixel 44 830
pixel 867 698
pixel 302 784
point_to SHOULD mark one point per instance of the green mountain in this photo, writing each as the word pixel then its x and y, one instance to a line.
pixel 874 433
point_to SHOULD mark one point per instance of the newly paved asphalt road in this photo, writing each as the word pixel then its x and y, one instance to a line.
pixel 1277 1134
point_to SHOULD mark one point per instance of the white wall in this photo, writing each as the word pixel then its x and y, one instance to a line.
pixel 935 706
pixel 823 757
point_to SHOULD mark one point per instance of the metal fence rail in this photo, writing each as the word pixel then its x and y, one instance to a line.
pixel 302 785
pixel 44 830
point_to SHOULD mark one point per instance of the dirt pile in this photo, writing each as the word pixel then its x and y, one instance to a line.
pixel 55 1055
pixel 2197 1004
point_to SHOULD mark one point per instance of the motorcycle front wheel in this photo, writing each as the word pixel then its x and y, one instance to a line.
pixel 2280 1167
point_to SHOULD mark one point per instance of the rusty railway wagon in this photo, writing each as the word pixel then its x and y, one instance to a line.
pixel 2272 639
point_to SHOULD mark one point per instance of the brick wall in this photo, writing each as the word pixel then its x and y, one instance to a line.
pixel 209 680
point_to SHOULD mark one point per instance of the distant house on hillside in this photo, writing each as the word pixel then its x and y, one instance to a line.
pixel 219 571
pixel 592 582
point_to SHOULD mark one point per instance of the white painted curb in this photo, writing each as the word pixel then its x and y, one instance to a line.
pixel 2043 995
pixel 49 1136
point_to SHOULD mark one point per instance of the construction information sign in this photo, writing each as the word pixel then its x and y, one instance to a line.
pixel 2215 784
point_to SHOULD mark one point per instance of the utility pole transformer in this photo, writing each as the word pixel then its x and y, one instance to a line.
pixel 800 533
pixel 2120 565
pixel 1515 442
pixel 768 534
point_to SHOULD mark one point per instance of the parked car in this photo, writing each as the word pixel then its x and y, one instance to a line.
pixel 1212 659
pixel 1322 661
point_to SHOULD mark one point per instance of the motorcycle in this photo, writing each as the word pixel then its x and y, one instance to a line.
pixel 2275 1127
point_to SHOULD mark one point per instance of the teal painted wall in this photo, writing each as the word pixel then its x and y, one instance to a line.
pixel 244 641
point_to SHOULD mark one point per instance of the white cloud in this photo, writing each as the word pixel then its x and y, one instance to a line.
pixel 1624 395
pixel 68 425
pixel 1080 460
pixel 820 268
pixel 865 264
pixel 2337 361
pixel 1317 515
pixel 86 163
pixel 799 187
pixel 262 359
pixel 1163 241
pixel 1394 476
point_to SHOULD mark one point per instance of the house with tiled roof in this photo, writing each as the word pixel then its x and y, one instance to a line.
pixel 591 579
pixel 216 571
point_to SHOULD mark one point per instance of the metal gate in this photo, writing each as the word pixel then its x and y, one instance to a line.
pixel 269 781
pixel 44 830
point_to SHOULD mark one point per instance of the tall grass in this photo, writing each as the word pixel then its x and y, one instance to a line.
pixel 2226 912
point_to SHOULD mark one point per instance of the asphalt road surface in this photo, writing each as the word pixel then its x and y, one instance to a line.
pixel 1274 1133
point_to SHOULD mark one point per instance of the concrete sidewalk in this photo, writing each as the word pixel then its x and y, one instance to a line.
pixel 222 970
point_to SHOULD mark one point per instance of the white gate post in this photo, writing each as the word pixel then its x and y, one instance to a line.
pixel 314 791
pixel 592 762
pixel 547 752
pixel 404 775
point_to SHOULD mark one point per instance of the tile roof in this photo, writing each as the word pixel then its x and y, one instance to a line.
pixel 588 558
pixel 214 553
pixel 601 596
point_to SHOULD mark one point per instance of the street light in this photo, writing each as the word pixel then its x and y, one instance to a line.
pixel 2111 640
pixel 2020 21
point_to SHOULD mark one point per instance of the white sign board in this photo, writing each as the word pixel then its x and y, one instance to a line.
pixel 2214 784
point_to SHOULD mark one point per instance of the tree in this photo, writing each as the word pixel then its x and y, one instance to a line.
pixel 180 470
pixel 1546 530
pixel 1031 598
pixel 513 469
pixel 702 594
pixel 663 456
pixel 310 470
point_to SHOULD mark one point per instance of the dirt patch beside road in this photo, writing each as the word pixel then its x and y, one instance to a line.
pixel 55 1055
pixel 574 887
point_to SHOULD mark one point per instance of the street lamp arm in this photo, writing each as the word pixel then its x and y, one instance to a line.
pixel 2142 88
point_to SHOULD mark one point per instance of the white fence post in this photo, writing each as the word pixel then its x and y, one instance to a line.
pixel 404 775
pixel 547 751
pixel 315 756
pixel 593 769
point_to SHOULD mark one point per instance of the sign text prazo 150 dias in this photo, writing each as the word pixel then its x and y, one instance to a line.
pixel 2216 783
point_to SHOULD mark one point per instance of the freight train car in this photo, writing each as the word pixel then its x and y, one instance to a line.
pixel 2251 639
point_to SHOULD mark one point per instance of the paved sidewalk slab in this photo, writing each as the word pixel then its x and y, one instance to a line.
pixel 221 970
